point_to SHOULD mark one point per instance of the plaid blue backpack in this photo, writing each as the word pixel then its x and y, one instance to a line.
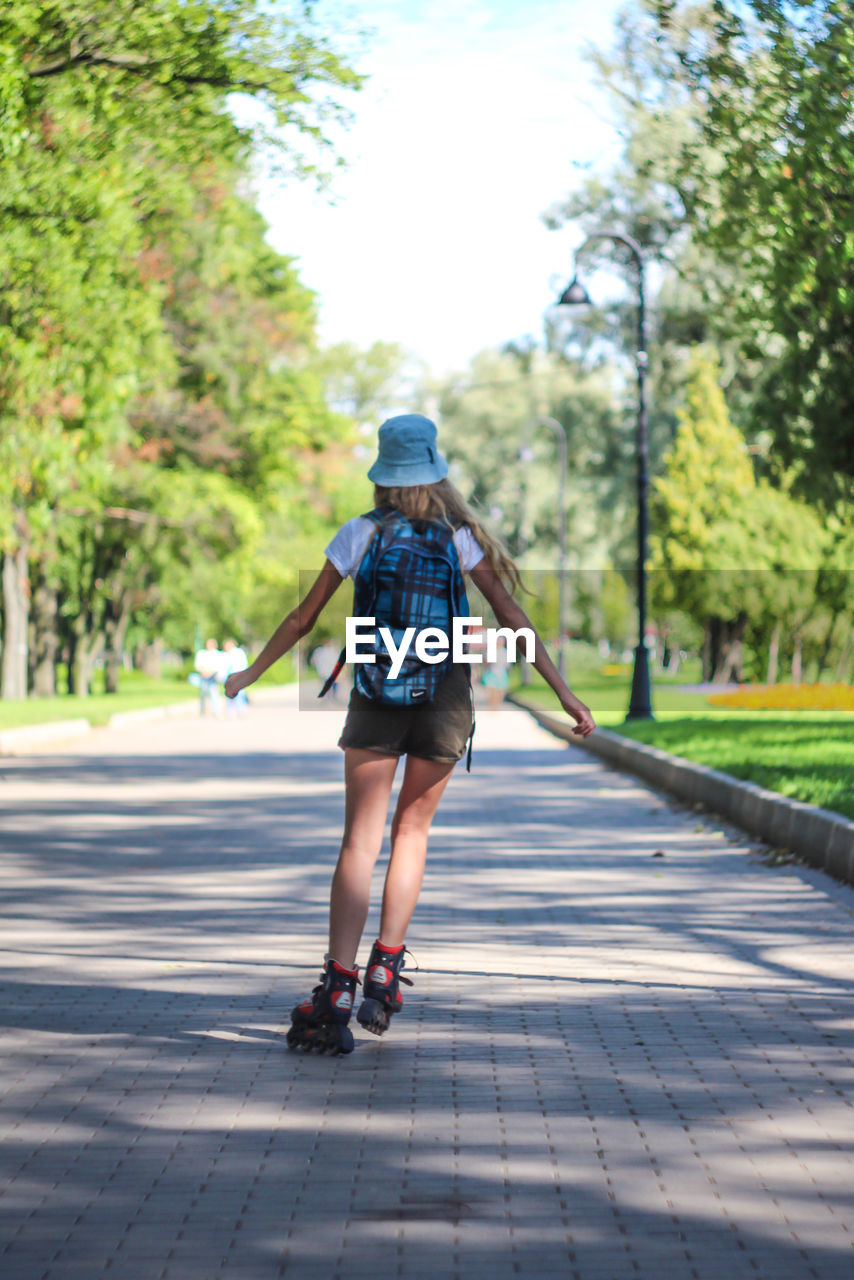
pixel 410 576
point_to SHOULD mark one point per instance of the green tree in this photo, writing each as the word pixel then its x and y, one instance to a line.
pixel 657 114
pixel 736 555
pixel 704 182
pixel 507 463
pixel 774 79
pixel 111 114
pixel 211 450
pixel 736 162
pixel 366 385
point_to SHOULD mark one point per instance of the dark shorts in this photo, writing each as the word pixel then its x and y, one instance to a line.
pixel 436 730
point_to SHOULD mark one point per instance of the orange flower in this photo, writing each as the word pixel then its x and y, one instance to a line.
pixel 788 697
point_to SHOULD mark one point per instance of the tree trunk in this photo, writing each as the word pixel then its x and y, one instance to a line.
pixel 774 654
pixel 86 650
pixel 711 648
pixel 827 647
pixel 16 608
pixel 798 659
pixel 840 674
pixel 730 652
pixel 730 668
pixel 150 660
pixel 112 670
pixel 116 619
pixel 44 640
pixel 70 655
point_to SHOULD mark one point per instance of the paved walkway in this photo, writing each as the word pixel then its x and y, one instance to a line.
pixel 628 1053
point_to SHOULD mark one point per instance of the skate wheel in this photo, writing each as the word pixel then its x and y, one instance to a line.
pixel 344 1042
pixel 373 1016
pixel 337 1040
pixel 330 1038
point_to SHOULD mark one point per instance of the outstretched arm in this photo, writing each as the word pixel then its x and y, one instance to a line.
pixel 510 614
pixel 297 624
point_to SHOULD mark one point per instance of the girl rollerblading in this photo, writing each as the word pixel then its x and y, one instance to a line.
pixel 408 559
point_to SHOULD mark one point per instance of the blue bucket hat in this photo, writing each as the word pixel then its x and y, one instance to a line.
pixel 407 453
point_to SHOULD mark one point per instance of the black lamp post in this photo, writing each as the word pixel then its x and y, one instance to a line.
pixel 640 704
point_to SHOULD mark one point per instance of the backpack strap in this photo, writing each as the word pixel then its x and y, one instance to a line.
pixel 386 521
pixel 334 674
pixel 473 725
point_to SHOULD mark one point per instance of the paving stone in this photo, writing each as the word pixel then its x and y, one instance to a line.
pixel 610 1067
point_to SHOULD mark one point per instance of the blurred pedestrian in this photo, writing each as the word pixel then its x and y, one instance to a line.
pixel 235 659
pixel 209 663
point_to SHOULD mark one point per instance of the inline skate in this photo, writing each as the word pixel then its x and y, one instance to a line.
pixel 382 988
pixel 320 1021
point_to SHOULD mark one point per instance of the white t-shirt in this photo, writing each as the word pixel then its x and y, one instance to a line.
pixel 235 660
pixel 350 543
pixel 209 663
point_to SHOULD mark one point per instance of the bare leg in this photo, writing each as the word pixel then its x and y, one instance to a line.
pixel 423 784
pixel 368 777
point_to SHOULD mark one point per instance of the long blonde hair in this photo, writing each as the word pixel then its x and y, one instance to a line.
pixel 442 502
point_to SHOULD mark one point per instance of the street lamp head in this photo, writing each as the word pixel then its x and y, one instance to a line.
pixel 574 295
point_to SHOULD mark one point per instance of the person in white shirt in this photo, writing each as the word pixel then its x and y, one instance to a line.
pixel 234 660
pixel 209 663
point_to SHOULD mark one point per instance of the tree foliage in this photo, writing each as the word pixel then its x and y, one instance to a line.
pixel 735 176
pixel 155 386
pixel 774 80
pixel 506 458
pixel 730 551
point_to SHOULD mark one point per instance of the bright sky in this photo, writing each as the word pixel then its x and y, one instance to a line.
pixel 478 115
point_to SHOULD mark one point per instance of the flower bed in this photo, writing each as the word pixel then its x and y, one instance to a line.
pixel 788 697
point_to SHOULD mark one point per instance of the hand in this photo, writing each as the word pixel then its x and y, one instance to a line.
pixel 236 681
pixel 584 722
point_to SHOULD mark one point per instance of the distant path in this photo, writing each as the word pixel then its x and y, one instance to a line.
pixel 613 1065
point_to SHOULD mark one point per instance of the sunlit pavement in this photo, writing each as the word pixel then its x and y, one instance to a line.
pixel 627 1053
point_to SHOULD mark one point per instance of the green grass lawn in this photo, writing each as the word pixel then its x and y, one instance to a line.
pixel 807 755
pixel 136 692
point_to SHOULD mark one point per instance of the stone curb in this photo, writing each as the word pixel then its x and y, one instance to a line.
pixel 15 742
pixel 823 839
pixel 190 706
pixel 126 719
